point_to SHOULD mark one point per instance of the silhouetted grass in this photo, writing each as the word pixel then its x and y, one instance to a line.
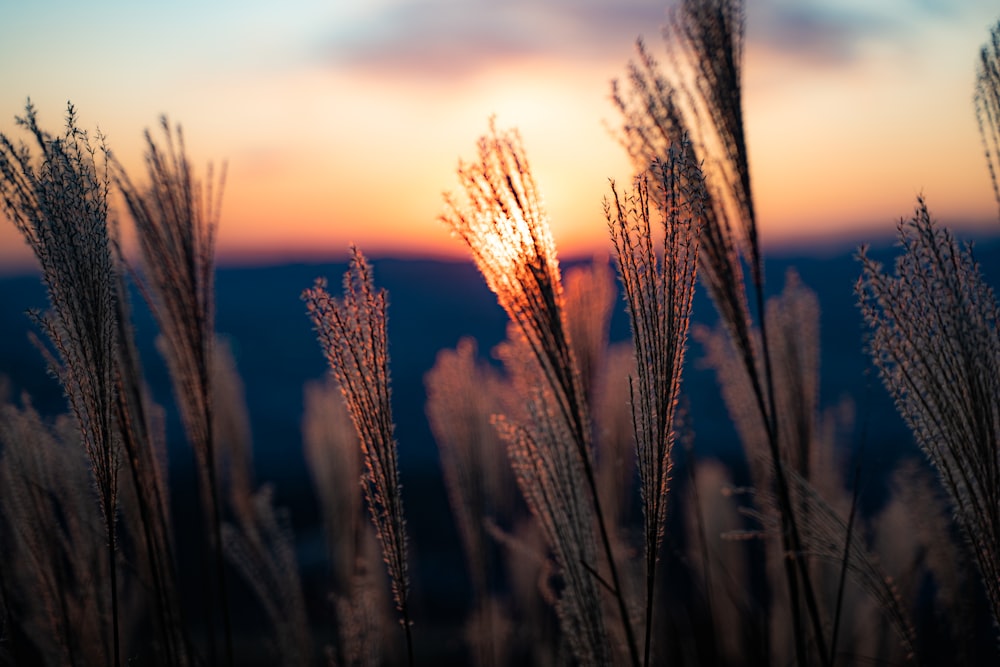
pixel 552 452
pixel 789 570
pixel 936 343
pixel 59 202
pixel 175 217
pixel 352 333
pixel 658 282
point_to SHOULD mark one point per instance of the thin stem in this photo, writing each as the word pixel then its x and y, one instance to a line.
pixel 409 636
pixel 597 575
pixel 112 564
pixel 843 567
pixel 790 531
pixel 648 641
pixel 603 529
pixel 615 581
pixel 706 559
pixel 154 559
pixel 216 528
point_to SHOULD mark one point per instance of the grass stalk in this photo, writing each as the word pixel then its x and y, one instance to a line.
pixel 659 288
pixel 59 203
pixel 708 35
pixel 706 561
pixel 842 580
pixel 176 217
pixel 507 231
pixel 352 334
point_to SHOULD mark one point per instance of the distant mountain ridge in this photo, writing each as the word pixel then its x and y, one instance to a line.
pixel 432 304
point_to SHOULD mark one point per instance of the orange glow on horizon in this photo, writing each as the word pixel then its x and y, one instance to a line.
pixel 321 156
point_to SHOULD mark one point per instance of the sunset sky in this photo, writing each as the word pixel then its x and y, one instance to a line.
pixel 344 121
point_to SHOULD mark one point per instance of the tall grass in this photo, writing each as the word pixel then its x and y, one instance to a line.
pixel 175 217
pixel 259 541
pixel 789 571
pixel 55 566
pixel 352 334
pixel 936 343
pixel 59 202
pixel 143 443
pixel 334 458
pixel 507 231
pixel 462 396
pixel 658 282
pixel 660 111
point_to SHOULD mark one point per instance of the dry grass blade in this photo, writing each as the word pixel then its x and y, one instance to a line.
pixel 987 100
pixel 548 474
pixel 707 39
pixel 144 445
pixel 936 343
pixel 657 119
pixel 824 535
pixel 352 333
pixel 55 560
pixel 711 33
pixel 176 216
pixel 659 288
pixel 508 233
pixel 59 203
pixel 262 547
pixel 504 226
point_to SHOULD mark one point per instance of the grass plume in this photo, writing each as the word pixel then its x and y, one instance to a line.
pixel 56 570
pixel 702 98
pixel 59 203
pixel 462 397
pixel 176 216
pixel 936 343
pixel 658 282
pixel 504 226
pixel 334 458
pixel 352 334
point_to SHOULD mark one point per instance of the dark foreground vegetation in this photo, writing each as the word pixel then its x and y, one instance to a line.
pixel 582 543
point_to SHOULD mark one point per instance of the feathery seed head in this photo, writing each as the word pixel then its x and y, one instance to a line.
pixel 352 332
pixel 936 342
pixel 58 201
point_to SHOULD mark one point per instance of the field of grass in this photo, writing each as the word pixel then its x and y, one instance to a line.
pixel 592 525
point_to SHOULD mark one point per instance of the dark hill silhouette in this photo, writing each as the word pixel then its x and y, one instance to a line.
pixel 431 305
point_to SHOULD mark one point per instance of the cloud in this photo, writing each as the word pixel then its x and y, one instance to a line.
pixel 817 34
pixel 458 38
pixel 453 38
pixel 836 32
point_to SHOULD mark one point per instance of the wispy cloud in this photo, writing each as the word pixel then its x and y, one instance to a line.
pixel 816 33
pixel 449 38
pixel 835 33
pixel 457 38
